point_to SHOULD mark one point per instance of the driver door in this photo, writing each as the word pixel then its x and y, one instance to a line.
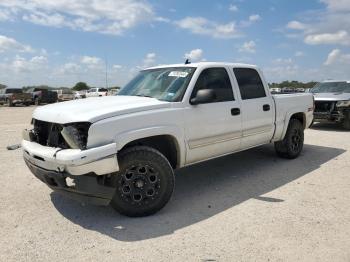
pixel 213 128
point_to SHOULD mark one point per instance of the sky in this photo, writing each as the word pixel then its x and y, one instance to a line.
pixel 59 43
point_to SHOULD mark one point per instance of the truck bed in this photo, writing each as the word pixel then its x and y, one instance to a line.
pixel 283 102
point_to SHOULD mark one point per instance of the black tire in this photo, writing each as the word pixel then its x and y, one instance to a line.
pixel 346 123
pixel 312 123
pixel 144 183
pixel 10 103
pixel 36 101
pixel 292 144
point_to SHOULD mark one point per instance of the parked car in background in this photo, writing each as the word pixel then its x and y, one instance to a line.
pixel 79 94
pixel 275 90
pixel 123 149
pixel 94 92
pixel 113 91
pixel 332 102
pixel 42 95
pixel 64 95
pixel 14 96
pixel 288 90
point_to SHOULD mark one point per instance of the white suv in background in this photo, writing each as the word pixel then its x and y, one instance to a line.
pixel 95 92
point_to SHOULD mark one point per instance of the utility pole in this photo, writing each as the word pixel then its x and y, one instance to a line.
pixel 106 62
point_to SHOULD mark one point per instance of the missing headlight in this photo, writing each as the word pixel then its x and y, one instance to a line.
pixel 343 103
pixel 76 134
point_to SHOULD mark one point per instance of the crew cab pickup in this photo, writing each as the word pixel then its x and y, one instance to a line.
pixel 122 150
pixel 14 96
pixel 43 95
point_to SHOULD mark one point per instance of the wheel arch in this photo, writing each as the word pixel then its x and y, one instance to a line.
pixel 168 143
pixel 294 115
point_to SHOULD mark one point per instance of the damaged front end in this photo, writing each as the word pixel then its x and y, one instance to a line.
pixel 331 111
pixel 72 135
pixel 58 155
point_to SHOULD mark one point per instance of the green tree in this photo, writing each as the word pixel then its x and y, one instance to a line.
pixel 293 84
pixel 80 86
pixel 2 86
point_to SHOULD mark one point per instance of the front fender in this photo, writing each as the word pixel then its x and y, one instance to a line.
pixel 123 138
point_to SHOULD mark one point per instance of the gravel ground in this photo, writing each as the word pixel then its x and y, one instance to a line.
pixel 250 206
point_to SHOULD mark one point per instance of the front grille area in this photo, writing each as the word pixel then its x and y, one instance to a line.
pixel 49 134
pixel 325 106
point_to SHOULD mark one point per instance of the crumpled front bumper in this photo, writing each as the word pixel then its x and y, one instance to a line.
pixel 332 116
pixel 88 170
pixel 99 160
pixel 89 188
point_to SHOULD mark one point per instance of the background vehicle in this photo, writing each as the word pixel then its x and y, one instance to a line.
pixel 123 149
pixel 332 102
pixel 64 95
pixel 14 96
pixel 43 95
pixel 79 95
pixel 275 90
pixel 95 92
pixel 113 91
pixel 288 90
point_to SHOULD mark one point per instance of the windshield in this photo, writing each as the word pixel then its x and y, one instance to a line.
pixel 332 87
pixel 14 91
pixel 67 91
pixel 167 84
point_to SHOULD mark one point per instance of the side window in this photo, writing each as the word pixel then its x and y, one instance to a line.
pixel 216 79
pixel 249 82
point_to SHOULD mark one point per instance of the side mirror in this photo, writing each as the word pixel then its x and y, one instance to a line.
pixel 203 96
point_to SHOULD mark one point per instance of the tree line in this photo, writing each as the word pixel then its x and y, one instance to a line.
pixel 293 84
pixel 80 86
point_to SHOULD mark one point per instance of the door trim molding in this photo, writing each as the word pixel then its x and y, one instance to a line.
pixel 207 141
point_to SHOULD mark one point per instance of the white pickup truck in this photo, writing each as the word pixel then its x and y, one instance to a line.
pixel 122 150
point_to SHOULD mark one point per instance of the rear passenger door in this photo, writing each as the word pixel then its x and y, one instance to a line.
pixel 214 128
pixel 257 108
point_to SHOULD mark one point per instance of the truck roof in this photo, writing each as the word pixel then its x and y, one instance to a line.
pixel 203 64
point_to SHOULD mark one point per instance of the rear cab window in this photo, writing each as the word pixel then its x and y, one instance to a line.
pixel 249 83
pixel 14 91
pixel 67 92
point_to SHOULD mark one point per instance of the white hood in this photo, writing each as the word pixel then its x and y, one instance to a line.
pixel 96 108
pixel 331 96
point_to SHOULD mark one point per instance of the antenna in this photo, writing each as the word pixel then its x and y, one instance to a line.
pixel 106 62
pixel 187 61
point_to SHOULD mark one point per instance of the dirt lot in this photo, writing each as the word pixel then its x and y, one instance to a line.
pixel 251 206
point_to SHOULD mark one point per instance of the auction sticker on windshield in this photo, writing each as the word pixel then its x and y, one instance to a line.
pixel 178 74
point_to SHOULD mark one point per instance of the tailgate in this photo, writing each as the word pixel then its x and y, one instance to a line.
pixel 22 96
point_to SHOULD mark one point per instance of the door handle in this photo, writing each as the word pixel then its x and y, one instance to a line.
pixel 266 107
pixel 235 111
